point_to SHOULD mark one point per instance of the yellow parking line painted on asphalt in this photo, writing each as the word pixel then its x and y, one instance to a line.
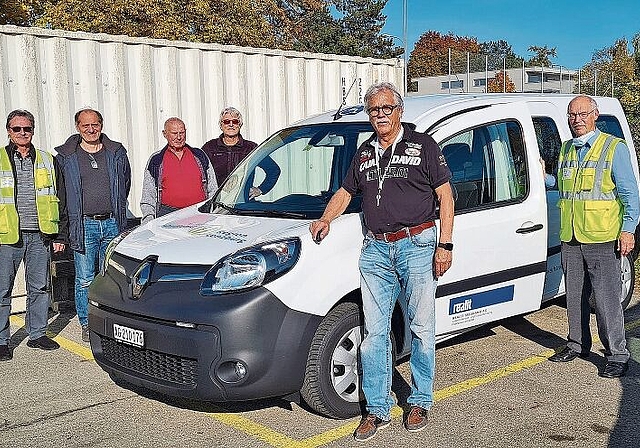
pixel 259 431
pixel 279 440
pixel 342 431
pixel 67 344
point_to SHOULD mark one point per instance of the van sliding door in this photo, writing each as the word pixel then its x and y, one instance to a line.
pixel 500 234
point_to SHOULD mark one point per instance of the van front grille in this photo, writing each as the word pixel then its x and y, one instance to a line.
pixel 158 365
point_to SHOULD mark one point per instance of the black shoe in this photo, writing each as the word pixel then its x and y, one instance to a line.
pixel 43 343
pixel 85 333
pixel 614 369
pixel 368 427
pixel 5 353
pixel 567 355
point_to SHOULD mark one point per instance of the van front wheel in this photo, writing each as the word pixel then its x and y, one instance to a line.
pixel 332 381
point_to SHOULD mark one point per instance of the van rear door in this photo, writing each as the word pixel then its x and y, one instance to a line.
pixel 500 231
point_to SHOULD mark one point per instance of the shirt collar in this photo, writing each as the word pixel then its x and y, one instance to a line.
pixel 13 150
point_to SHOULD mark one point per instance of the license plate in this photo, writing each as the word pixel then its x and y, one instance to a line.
pixel 128 335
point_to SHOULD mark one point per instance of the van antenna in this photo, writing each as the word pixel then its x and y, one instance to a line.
pixel 338 115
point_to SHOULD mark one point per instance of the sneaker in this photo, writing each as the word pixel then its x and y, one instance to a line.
pixel 43 343
pixel 368 427
pixel 85 333
pixel 416 419
pixel 5 353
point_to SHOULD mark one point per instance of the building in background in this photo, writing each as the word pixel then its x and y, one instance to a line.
pixel 527 80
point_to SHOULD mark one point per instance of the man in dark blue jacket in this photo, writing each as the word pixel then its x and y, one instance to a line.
pixel 97 179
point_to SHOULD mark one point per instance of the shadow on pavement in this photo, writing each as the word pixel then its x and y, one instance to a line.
pixel 626 432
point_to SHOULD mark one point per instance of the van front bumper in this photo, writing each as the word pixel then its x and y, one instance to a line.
pixel 227 348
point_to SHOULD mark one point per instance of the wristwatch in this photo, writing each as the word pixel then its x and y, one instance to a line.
pixel 446 246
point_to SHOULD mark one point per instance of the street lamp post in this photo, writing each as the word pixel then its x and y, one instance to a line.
pixel 405 38
pixel 404 66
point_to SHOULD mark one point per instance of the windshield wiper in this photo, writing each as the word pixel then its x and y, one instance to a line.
pixel 258 212
pixel 273 213
pixel 226 207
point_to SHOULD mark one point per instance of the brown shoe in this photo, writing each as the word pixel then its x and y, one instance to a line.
pixel 368 427
pixel 416 419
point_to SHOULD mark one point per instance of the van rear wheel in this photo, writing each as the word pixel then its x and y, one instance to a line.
pixel 332 382
pixel 628 276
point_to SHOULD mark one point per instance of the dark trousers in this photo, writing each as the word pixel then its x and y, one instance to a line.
pixel 594 268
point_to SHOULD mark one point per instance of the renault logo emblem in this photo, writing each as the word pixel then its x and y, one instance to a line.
pixel 141 278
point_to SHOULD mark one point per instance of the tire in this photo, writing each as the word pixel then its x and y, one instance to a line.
pixel 332 381
pixel 628 275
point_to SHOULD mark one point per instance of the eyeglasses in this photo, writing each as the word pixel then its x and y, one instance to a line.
pixel 581 115
pixel 232 121
pixel 387 109
pixel 26 129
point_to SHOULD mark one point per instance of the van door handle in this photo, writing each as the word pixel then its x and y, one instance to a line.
pixel 530 229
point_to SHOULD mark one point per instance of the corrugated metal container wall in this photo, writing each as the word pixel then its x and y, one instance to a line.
pixel 138 83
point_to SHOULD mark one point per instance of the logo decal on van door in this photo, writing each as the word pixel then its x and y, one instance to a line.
pixel 480 300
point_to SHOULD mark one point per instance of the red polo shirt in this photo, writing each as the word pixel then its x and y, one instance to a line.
pixel 181 180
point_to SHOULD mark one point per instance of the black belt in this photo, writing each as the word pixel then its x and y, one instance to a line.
pixel 392 237
pixel 99 216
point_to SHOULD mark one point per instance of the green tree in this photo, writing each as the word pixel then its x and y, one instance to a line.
pixel 499 50
pixel 19 12
pixel 259 23
pixel 430 56
pixel 361 23
pixel 542 56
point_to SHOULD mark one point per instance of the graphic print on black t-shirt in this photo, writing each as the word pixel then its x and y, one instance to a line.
pixel 407 197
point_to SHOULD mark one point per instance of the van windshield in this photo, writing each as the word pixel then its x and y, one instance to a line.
pixel 293 174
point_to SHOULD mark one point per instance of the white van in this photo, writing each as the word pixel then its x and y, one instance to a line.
pixel 232 300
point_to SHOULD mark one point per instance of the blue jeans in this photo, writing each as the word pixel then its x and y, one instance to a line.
pixel 97 235
pixel 35 253
pixel 386 269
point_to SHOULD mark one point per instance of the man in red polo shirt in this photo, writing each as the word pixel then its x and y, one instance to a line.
pixel 177 176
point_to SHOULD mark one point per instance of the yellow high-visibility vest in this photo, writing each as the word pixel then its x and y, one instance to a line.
pixel 44 179
pixel 589 205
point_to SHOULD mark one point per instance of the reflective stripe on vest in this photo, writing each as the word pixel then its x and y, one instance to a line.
pixel 589 204
pixel 44 180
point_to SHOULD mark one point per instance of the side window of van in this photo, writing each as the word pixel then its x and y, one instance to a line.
pixel 488 165
pixel 610 125
pixel 549 143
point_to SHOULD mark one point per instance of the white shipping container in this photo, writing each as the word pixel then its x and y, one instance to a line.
pixel 138 83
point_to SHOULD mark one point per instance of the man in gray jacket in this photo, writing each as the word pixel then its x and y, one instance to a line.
pixel 97 179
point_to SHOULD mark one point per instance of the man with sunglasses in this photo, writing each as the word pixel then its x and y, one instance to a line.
pixel 177 176
pixel 599 210
pixel 33 217
pixel 228 150
pixel 97 179
pixel 402 176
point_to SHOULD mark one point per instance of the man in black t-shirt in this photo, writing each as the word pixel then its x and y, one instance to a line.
pixel 401 174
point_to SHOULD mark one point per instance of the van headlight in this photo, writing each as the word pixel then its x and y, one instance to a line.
pixel 251 267
pixel 111 247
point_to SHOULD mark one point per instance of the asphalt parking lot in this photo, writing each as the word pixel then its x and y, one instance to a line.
pixel 494 388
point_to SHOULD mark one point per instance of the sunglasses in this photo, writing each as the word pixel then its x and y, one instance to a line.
pixel 233 121
pixel 27 129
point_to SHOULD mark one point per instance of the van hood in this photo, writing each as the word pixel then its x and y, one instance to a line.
pixel 191 237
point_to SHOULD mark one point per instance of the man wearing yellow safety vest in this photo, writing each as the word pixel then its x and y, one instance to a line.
pixel 32 216
pixel 599 209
